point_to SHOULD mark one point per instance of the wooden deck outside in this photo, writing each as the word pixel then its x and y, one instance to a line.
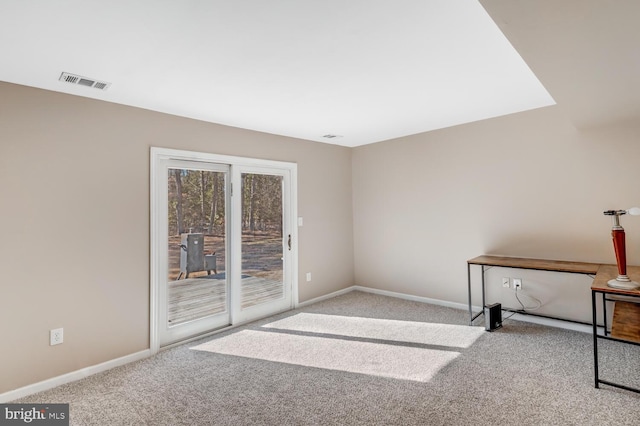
pixel 195 298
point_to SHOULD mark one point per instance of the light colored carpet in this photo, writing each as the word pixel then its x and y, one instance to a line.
pixel 397 362
pixel 435 334
pixel 522 374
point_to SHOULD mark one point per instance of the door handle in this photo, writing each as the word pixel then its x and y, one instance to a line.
pixel 289 242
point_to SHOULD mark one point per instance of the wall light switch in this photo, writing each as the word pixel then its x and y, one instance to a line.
pixel 300 221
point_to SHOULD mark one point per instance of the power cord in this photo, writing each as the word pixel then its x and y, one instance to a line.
pixel 512 314
pixel 524 309
pixel 537 301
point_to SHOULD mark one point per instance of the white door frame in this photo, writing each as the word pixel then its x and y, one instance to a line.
pixel 156 222
pixel 239 315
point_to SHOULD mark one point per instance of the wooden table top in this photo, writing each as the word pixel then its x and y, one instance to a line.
pixel 538 264
pixel 609 272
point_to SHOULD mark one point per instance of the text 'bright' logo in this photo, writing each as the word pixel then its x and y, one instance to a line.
pixel 26 416
pixel 39 414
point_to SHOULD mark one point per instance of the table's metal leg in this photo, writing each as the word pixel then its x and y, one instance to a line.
pixel 595 338
pixel 469 290
pixel 604 314
pixel 483 301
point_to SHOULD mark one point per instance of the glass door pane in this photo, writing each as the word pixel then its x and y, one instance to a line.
pixel 197 287
pixel 263 240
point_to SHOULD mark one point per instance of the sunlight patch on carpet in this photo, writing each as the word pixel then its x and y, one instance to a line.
pixel 456 336
pixel 377 359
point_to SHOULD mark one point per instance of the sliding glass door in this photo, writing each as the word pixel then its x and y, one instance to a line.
pixel 265 242
pixel 222 243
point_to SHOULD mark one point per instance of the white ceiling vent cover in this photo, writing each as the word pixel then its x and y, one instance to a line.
pixel 83 81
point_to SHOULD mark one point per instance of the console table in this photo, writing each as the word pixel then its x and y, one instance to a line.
pixel 523 263
pixel 602 274
pixel 605 273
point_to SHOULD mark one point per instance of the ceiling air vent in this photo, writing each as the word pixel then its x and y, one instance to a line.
pixel 83 81
pixel 331 136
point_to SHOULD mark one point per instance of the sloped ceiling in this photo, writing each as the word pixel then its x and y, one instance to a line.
pixel 585 52
pixel 364 70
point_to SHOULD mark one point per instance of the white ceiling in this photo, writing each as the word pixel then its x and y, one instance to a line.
pixel 367 70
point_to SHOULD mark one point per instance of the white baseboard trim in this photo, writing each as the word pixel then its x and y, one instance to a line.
pixel 568 325
pixel 411 297
pixel 384 293
pixel 325 297
pixel 72 376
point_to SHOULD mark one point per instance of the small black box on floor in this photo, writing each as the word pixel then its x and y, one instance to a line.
pixel 492 317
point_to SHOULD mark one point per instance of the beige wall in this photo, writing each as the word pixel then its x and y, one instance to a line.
pixel 528 185
pixel 75 215
pixel 74 191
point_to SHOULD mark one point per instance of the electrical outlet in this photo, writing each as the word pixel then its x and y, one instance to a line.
pixel 505 282
pixel 56 336
pixel 517 283
pixel 308 276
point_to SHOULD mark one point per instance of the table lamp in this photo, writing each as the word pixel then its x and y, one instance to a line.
pixel 617 233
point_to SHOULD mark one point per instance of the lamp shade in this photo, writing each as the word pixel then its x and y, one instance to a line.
pixel 634 211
